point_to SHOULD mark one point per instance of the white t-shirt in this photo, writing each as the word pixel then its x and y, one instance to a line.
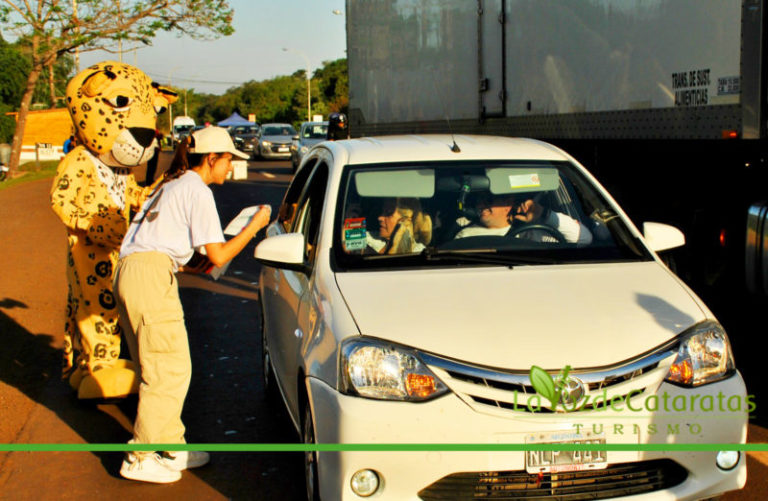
pixel 178 218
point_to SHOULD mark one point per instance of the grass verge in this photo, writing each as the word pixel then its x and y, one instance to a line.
pixel 31 172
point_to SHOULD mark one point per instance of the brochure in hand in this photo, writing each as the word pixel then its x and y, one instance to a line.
pixel 236 225
pixel 233 228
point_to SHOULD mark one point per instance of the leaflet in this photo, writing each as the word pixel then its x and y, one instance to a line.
pixel 241 220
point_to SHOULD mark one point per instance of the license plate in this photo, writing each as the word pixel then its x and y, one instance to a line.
pixel 554 460
pixel 282 148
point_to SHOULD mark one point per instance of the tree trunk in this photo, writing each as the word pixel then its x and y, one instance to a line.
pixel 21 119
pixel 51 86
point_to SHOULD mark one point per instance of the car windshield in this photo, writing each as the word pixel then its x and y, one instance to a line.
pixel 315 131
pixel 250 129
pixel 285 130
pixel 493 213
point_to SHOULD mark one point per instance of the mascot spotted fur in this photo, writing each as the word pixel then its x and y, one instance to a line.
pixel 114 110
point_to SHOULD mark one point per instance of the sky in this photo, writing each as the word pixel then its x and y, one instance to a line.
pixel 308 28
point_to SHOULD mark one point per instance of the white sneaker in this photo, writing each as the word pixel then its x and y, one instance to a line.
pixel 149 468
pixel 181 460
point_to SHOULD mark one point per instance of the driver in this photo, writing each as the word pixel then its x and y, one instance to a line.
pixel 496 212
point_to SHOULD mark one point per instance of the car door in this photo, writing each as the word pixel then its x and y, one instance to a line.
pixel 282 288
pixel 308 218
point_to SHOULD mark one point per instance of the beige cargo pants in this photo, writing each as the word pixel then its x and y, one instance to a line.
pixel 151 316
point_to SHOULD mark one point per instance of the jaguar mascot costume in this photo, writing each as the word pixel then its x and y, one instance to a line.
pixel 114 110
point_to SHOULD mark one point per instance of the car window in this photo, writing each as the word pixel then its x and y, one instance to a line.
pixel 531 212
pixel 285 130
pixel 315 131
pixel 310 210
pixel 287 213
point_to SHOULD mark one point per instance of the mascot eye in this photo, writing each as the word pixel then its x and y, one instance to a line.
pixel 119 103
pixel 160 109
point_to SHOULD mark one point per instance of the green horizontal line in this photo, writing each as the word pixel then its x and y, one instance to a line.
pixel 376 447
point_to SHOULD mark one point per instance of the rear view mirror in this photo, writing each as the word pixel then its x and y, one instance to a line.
pixel 661 237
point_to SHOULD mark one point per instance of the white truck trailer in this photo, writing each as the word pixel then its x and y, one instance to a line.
pixel 663 100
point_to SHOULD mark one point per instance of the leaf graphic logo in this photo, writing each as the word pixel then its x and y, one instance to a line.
pixel 544 385
pixel 564 390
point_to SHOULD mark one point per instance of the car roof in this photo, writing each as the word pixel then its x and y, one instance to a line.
pixel 437 147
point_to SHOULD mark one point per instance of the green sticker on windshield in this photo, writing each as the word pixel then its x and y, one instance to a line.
pixel 354 234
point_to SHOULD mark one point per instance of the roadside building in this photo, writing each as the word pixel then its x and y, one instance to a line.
pixel 44 134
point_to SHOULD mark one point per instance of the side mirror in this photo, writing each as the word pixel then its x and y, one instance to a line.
pixel 661 237
pixel 295 138
pixel 282 251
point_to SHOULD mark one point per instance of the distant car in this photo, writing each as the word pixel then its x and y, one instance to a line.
pixel 275 140
pixel 310 133
pixel 383 325
pixel 245 137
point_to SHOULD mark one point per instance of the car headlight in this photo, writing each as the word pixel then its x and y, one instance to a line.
pixel 266 144
pixel 373 368
pixel 303 150
pixel 704 356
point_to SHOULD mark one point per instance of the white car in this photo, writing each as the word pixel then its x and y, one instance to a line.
pixel 563 332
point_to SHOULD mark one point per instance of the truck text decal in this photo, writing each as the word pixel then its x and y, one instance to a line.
pixel 691 87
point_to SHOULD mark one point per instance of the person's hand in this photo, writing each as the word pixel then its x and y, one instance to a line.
pixel 528 211
pixel 260 219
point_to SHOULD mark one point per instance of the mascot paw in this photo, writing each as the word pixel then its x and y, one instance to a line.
pixel 117 381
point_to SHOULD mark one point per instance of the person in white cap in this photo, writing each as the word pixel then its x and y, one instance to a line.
pixel 178 218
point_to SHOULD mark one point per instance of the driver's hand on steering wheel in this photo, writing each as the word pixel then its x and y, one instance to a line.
pixel 528 211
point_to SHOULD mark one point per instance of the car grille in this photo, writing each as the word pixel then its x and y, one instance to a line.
pixel 617 480
pixel 496 391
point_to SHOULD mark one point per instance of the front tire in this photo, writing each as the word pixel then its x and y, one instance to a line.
pixel 267 374
pixel 310 457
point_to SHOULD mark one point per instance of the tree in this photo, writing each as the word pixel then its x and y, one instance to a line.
pixel 56 27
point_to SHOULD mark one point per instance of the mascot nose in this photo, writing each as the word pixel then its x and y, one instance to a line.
pixel 143 135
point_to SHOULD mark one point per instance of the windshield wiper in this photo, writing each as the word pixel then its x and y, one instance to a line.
pixel 485 256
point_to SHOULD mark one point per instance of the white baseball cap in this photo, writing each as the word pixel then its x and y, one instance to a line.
pixel 215 140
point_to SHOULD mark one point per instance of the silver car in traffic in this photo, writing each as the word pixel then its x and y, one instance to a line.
pixel 310 133
pixel 275 140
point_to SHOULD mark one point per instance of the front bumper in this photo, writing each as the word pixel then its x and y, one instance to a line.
pixel 448 420
pixel 274 151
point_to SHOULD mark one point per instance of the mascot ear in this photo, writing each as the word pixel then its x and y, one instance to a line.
pixel 97 82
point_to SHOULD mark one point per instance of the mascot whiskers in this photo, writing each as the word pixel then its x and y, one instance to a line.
pixel 114 110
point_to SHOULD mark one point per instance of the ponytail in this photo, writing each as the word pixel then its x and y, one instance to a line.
pixel 183 160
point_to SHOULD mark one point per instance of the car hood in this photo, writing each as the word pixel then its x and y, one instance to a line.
pixel 550 316
pixel 277 139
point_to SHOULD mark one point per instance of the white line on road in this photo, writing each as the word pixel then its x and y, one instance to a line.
pixel 267 174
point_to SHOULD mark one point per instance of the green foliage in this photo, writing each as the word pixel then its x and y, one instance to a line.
pixel 7 123
pixel 13 78
pixel 279 99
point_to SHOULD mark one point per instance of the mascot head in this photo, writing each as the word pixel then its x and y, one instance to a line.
pixel 114 108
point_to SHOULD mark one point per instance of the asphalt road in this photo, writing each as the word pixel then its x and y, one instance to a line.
pixel 225 403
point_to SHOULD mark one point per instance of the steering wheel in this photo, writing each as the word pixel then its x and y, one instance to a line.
pixel 537 227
